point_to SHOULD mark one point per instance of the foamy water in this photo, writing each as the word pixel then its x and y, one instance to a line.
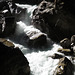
pixel 39 61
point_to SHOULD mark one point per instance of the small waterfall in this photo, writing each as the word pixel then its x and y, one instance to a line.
pixel 39 60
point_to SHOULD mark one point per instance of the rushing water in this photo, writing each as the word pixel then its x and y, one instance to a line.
pixel 39 60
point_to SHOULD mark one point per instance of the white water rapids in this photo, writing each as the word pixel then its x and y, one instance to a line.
pixel 39 61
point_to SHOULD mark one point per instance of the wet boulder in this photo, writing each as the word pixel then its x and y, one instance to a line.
pixel 66 43
pixel 35 37
pixel 56 56
pixel 12 60
pixel 65 51
pixel 53 19
pixel 7 43
pixel 65 67
pixel 43 15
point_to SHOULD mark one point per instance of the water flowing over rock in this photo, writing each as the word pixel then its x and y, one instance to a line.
pixel 53 19
pixel 12 60
pixel 34 37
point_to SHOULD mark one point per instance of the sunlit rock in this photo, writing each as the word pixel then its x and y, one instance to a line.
pixel 65 51
pixel 65 67
pixel 7 43
pixel 12 60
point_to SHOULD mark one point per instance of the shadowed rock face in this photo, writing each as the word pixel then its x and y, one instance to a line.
pixel 31 2
pixel 55 19
pixel 66 43
pixel 12 60
pixel 7 18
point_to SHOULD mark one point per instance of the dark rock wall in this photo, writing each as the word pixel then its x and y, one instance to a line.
pixel 12 61
pixel 31 2
pixel 56 19
pixel 7 18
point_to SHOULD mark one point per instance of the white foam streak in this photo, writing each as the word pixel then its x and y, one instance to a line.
pixel 40 63
pixel 29 8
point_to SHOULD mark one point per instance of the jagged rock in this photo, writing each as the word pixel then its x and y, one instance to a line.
pixel 65 67
pixel 12 60
pixel 65 43
pixel 43 15
pixel 65 51
pixel 53 19
pixel 7 18
pixel 56 56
